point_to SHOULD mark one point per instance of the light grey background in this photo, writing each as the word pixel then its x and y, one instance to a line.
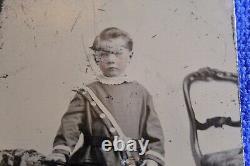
pixel 44 45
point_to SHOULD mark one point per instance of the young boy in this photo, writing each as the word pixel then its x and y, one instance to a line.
pixel 129 103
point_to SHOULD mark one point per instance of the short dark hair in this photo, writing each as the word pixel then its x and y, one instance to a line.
pixel 112 33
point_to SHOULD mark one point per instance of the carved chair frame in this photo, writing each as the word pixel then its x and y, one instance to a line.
pixel 205 75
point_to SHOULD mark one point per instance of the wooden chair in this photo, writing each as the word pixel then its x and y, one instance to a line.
pixel 207 74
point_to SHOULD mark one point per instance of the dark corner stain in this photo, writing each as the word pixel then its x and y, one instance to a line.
pixel 4 76
pixel 154 36
pixel 1 5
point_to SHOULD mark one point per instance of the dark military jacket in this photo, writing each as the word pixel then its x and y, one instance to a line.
pixel 132 107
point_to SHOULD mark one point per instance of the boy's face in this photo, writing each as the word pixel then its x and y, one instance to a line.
pixel 113 57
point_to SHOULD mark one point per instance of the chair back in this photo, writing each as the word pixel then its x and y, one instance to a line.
pixel 205 74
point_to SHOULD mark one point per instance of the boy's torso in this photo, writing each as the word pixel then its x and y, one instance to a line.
pixel 127 102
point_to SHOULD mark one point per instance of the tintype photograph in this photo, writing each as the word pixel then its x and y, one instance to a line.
pixel 119 83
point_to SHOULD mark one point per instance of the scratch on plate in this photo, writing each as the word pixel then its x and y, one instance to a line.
pixel 101 10
pixel 1 5
pixel 154 36
pixel 4 76
pixel 76 20
pixel 1 45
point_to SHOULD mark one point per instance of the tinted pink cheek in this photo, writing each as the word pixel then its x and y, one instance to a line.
pixel 118 63
pixel 102 67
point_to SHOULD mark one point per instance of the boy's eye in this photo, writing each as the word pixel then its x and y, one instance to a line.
pixel 107 53
pixel 104 54
pixel 118 53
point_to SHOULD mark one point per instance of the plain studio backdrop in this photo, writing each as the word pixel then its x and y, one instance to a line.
pixel 43 57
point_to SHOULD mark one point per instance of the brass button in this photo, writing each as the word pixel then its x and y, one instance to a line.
pixel 112 129
pixel 93 103
pixel 102 115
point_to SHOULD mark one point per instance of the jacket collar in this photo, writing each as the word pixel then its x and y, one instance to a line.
pixel 113 80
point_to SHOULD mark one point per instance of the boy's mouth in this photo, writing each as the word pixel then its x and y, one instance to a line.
pixel 112 68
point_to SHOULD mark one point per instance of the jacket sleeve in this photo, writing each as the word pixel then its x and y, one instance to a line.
pixel 68 133
pixel 153 133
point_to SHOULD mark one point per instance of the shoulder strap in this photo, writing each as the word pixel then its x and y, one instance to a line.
pixel 106 112
pixel 112 121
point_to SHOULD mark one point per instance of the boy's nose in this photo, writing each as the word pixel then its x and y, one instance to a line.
pixel 111 57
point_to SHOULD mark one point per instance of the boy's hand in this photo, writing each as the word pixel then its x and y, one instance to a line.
pixel 56 157
pixel 151 163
